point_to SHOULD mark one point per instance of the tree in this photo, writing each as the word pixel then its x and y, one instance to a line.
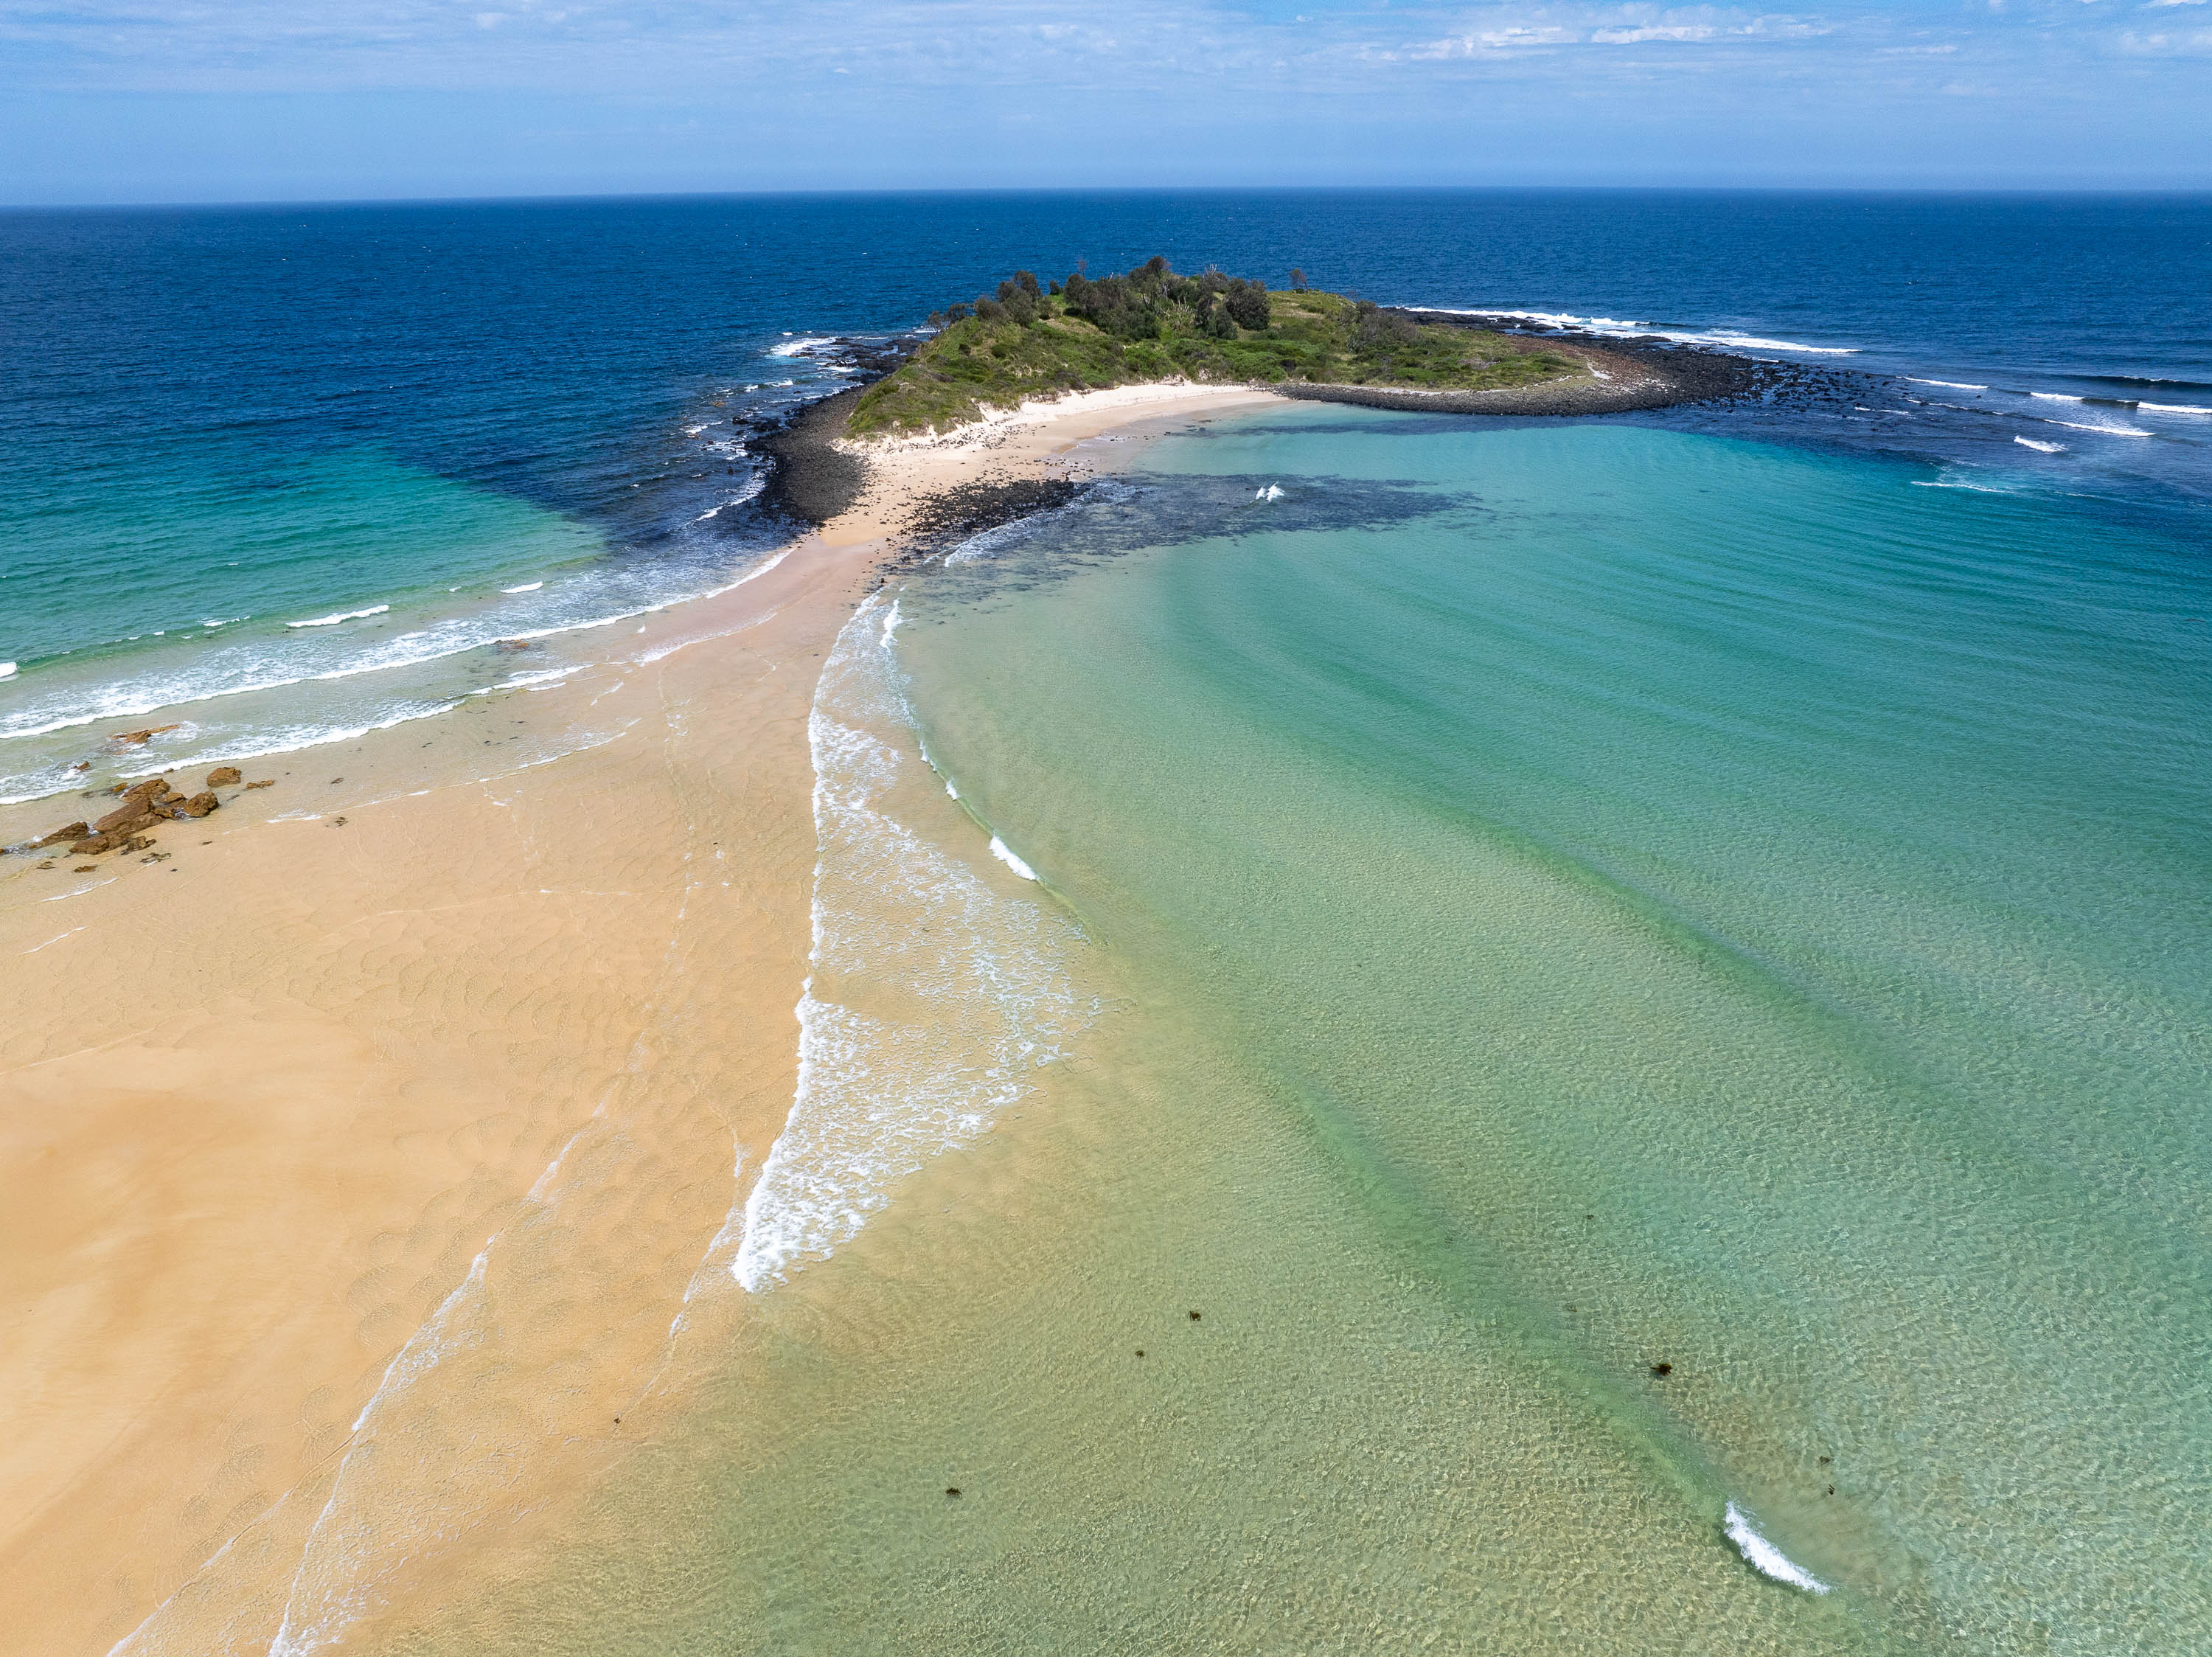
pixel 1247 304
pixel 1297 280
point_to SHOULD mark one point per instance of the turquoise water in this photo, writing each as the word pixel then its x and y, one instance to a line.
pixel 1746 908
pixel 1550 902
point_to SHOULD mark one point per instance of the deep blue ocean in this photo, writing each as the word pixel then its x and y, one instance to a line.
pixel 220 424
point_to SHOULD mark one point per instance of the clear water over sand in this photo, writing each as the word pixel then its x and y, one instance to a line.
pixel 1559 901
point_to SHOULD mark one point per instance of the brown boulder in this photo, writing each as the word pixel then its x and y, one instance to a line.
pixel 126 819
pixel 152 788
pixel 265 782
pixel 73 832
pixel 136 738
pixel 199 805
pixel 224 776
pixel 92 845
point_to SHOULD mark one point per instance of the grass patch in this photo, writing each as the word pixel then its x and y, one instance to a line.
pixel 1153 325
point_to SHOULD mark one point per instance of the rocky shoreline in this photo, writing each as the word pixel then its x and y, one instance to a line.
pixel 1630 374
pixel 143 807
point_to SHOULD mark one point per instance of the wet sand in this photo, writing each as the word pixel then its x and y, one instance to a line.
pixel 371 1155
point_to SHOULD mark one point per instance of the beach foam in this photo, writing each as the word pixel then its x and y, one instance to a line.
pixel 1616 328
pixel 1765 1557
pixel 1005 855
pixel 343 615
pixel 950 996
pixel 2041 449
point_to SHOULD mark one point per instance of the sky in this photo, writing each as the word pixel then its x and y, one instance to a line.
pixel 208 100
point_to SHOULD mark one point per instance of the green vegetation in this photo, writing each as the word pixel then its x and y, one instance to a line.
pixel 1025 341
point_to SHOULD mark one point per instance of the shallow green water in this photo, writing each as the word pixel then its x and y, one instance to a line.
pixel 1565 900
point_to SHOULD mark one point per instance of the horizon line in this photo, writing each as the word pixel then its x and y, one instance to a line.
pixel 850 192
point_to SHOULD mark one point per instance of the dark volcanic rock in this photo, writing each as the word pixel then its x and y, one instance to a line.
pixel 811 478
pixel 953 515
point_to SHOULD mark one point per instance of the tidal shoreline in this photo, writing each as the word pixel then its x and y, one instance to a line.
pixel 449 1046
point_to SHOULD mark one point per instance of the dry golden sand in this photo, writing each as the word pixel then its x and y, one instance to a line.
pixel 464 1076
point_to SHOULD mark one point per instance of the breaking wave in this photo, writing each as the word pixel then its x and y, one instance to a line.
pixel 932 1001
pixel 1765 1557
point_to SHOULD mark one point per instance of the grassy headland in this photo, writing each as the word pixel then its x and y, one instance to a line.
pixel 1154 325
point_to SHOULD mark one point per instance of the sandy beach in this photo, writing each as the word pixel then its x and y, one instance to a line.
pixel 375 1154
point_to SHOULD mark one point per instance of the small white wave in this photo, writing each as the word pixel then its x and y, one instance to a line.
pixel 526 586
pixel 7 670
pixel 1953 385
pixel 800 347
pixel 1273 492
pixel 1616 328
pixel 2056 397
pixel 2174 408
pixel 951 791
pixel 1958 482
pixel 128 700
pixel 2109 431
pixel 2040 448
pixel 1754 342
pixel 1765 1557
pixel 1005 854
pixel 343 615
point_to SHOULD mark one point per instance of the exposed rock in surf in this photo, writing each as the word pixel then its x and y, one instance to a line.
pixel 224 776
pixel 813 479
pixel 125 818
pixel 138 739
pixel 75 831
pixel 513 644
